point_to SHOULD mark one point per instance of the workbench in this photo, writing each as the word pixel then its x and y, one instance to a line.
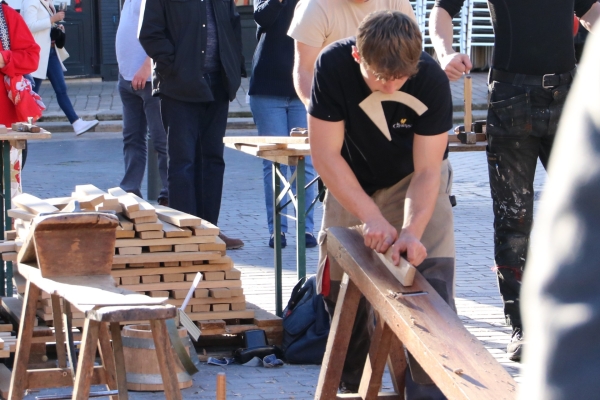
pixel 17 140
pixel 292 151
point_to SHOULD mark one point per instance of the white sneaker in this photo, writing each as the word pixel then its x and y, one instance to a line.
pixel 80 126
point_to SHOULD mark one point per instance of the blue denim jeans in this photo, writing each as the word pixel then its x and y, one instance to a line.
pixel 195 134
pixel 141 114
pixel 521 124
pixel 57 79
pixel 276 116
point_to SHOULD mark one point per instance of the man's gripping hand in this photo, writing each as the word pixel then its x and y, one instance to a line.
pixel 409 244
pixel 455 65
pixel 379 234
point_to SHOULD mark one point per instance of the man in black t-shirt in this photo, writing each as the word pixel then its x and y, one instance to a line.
pixel 532 70
pixel 378 121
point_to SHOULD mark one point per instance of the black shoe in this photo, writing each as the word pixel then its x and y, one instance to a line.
pixel 311 241
pixel 283 241
pixel 346 387
pixel 163 201
pixel 515 347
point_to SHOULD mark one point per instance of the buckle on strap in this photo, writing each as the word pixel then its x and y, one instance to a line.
pixel 552 77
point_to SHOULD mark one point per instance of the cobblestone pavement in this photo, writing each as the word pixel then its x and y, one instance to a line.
pixel 55 166
pixel 92 97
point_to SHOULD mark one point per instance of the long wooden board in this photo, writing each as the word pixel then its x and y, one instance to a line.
pixel 165 257
pixel 170 270
pixel 146 287
pixel 163 241
pixel 266 139
pixel 456 361
pixel 33 204
pixel 177 218
pixel 222 315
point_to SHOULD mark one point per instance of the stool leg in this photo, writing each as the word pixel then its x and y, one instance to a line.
pixel 18 380
pixel 338 340
pixel 115 331
pixel 71 352
pixel 58 331
pixel 375 365
pixel 397 366
pixel 165 359
pixel 108 360
pixel 85 364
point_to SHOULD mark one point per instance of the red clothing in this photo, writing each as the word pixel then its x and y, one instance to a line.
pixel 22 58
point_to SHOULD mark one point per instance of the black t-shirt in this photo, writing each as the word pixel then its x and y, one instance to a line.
pixel 339 88
pixel 533 37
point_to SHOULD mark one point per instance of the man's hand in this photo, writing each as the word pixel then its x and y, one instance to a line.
pixel 379 234
pixel 409 244
pixel 455 65
pixel 2 63
pixel 141 76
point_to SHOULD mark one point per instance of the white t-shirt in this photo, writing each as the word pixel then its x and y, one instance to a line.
pixel 318 23
pixel 130 54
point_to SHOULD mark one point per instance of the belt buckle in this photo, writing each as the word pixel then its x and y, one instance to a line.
pixel 544 79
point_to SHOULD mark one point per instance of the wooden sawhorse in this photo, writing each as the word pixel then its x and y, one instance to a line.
pixel 74 252
pixel 454 359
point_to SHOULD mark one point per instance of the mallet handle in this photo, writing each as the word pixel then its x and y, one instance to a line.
pixel 468 101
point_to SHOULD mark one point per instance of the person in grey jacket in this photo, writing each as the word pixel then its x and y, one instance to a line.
pixel 561 300
pixel 196 47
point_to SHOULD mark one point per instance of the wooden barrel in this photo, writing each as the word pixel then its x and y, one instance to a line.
pixel 141 363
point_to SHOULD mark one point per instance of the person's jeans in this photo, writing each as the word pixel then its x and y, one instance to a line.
pixel 521 125
pixel 276 116
pixel 57 79
pixel 195 134
pixel 141 113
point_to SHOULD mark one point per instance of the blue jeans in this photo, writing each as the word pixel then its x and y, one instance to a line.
pixel 57 79
pixel 276 116
pixel 141 113
pixel 195 134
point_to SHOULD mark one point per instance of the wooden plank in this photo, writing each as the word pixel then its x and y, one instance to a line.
pixel 266 139
pixel 5 376
pixel 178 285
pixel 200 308
pixel 222 315
pixel 125 223
pixel 130 280
pixel 218 245
pixel 186 263
pixel 129 251
pixel 209 300
pixel 205 229
pixel 166 270
pixel 201 293
pixel 233 274
pixel 214 276
pixel 152 219
pixel 219 307
pixel 171 264
pixel 182 248
pixel 404 271
pixel 173 277
pixel 162 257
pixel 10 235
pixel 148 227
pixel 10 256
pixel 151 279
pixel 165 241
pixel 238 306
pixel 7 247
pixel 150 235
pixel 220 293
pixel 20 214
pixel 176 218
pixel 172 231
pixel 211 324
pixel 88 201
pixel 161 248
pixel 425 324
pixel 235 291
pixel 128 203
pixel 33 204
pixel 59 202
pixel 158 293
pixel 122 234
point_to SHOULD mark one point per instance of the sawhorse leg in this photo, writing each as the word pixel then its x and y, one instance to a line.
pixel 277 238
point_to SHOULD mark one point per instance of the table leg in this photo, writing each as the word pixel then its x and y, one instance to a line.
pixel 18 381
pixel 300 219
pixel 7 193
pixel 115 330
pixel 85 365
pixel 164 354
pixel 59 333
pixel 277 238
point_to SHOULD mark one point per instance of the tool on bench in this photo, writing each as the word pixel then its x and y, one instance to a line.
pixel 26 127
pixel 467 136
pixel 299 132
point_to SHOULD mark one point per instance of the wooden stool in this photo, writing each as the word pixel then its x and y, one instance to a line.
pixel 74 253
pixel 454 359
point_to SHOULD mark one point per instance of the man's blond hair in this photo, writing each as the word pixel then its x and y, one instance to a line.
pixel 389 44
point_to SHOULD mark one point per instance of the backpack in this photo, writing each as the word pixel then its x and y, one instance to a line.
pixel 306 324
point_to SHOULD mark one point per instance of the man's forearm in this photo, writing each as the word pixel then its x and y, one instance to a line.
pixel 441 31
pixel 420 201
pixel 303 83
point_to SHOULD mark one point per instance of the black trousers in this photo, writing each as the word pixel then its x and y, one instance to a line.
pixel 521 125
pixel 195 134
